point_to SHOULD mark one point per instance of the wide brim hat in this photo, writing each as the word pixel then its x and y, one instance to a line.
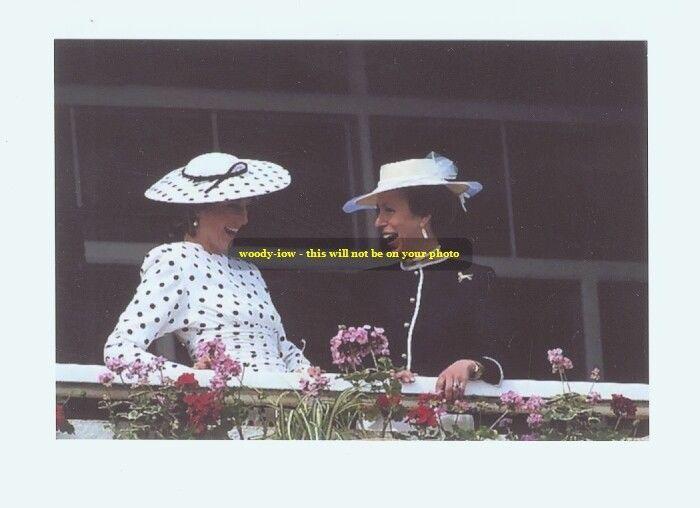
pixel 216 177
pixel 433 170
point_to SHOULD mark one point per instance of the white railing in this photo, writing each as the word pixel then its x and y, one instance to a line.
pixel 73 374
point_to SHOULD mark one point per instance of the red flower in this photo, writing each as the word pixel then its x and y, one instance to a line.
pixel 62 424
pixel 186 381
pixel 430 406
pixel 422 415
pixel 60 417
pixel 622 406
pixel 203 409
pixel 386 402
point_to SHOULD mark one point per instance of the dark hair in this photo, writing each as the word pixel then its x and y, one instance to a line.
pixel 183 216
pixel 446 214
pixel 182 223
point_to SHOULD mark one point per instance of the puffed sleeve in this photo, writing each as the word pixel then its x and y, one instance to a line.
pixel 293 357
pixel 158 307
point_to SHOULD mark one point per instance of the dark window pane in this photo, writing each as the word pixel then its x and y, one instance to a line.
pixel 579 192
pixel 65 181
pixel 624 313
pixel 106 290
pixel 582 73
pixel 311 303
pixel 543 315
pixel 312 149
pixel 70 256
pixel 475 147
pixel 299 66
pixel 122 152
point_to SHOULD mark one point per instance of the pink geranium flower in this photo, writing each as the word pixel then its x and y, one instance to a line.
pixel 594 397
pixel 106 378
pixel 350 345
pixel 512 400
pixel 312 387
pixel 534 420
pixel 213 355
pixel 534 404
pixel 314 372
pixel 139 370
pixel 158 363
pixel 559 362
pixel 116 365
pixel 212 349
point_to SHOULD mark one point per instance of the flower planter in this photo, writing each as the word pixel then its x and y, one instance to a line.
pixel 451 422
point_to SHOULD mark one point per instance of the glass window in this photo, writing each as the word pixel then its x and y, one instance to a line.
pixel 540 315
pixel 90 311
pixel 122 152
pixel 65 181
pixel 571 72
pixel 624 313
pixel 70 258
pixel 295 66
pixel 579 191
pixel 313 149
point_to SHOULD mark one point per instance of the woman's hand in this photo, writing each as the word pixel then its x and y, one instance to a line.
pixel 404 376
pixel 202 363
pixel 453 380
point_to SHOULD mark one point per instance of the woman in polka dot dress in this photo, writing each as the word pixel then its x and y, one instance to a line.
pixel 192 288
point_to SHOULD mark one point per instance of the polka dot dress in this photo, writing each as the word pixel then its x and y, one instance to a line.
pixel 200 296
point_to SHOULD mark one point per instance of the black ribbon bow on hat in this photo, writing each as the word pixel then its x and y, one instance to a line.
pixel 238 169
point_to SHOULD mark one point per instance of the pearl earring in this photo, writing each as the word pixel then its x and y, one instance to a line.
pixel 195 223
pixel 425 233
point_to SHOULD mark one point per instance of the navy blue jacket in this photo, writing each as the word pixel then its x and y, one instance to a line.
pixel 456 314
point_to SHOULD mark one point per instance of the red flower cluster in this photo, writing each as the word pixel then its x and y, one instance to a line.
pixel 422 415
pixel 62 424
pixel 430 406
pixel 387 402
pixel 60 417
pixel 186 381
pixel 202 409
pixel 622 406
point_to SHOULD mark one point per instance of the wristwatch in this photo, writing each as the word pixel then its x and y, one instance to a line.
pixel 477 371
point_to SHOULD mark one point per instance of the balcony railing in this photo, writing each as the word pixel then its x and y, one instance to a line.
pixel 80 382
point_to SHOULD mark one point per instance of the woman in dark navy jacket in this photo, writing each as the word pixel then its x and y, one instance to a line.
pixel 439 312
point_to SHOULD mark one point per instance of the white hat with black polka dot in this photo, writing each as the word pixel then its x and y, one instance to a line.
pixel 214 177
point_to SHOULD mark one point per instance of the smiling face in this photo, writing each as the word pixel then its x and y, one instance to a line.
pixel 398 226
pixel 218 225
